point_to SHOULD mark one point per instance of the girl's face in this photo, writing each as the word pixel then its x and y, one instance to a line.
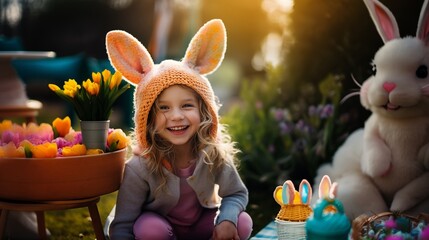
pixel 178 116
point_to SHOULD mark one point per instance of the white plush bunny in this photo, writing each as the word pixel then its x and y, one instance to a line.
pixel 384 166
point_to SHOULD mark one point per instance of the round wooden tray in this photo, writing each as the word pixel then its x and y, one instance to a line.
pixel 59 179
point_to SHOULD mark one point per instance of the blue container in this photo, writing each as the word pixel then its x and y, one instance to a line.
pixel 332 225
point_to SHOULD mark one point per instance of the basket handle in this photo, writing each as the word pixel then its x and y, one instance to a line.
pixel 318 211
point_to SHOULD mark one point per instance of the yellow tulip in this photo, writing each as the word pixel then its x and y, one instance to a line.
pixel 94 151
pixel 71 87
pixel 75 150
pixel 94 98
pixel 96 77
pixel 62 125
pixel 117 139
pixel 5 125
pixel 116 80
pixel 54 87
pixel 45 150
pixel 91 87
pixel 106 74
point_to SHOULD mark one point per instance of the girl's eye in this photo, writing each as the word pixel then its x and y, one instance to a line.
pixel 188 105
pixel 163 107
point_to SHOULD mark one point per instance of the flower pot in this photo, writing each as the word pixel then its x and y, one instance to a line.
pixel 63 178
pixel 94 134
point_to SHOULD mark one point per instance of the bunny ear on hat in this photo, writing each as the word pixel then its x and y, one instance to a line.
pixel 128 55
pixel 207 48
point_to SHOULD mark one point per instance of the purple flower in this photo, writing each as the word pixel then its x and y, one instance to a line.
pixel 425 234
pixel 271 148
pixel 77 138
pixel 394 237
pixel 62 142
pixel 277 114
pixel 312 111
pixel 35 139
pixel 300 125
pixel 9 136
pixel 327 111
pixel 303 127
pixel 284 128
pixel 390 223
pixel 259 105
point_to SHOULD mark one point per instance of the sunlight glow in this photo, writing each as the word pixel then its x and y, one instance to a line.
pixel 120 4
pixel 271 6
pixel 270 54
pixel 13 12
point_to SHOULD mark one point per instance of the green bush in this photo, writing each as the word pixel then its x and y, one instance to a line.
pixel 285 139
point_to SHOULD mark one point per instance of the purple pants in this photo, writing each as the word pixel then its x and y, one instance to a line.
pixel 153 226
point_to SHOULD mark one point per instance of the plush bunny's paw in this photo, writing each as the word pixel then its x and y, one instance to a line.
pixel 423 156
pixel 401 203
pixel 376 163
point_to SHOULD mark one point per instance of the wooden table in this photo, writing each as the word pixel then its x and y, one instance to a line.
pixel 29 111
pixel 41 207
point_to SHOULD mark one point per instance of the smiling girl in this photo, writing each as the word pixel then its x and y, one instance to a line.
pixel 182 181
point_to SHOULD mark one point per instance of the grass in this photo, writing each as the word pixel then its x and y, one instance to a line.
pixel 76 223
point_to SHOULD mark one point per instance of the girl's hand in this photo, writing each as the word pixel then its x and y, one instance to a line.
pixel 225 230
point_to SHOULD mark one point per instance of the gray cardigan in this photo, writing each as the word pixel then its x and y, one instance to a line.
pixel 137 194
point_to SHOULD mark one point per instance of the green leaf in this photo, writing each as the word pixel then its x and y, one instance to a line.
pixel 55 132
pixel 27 151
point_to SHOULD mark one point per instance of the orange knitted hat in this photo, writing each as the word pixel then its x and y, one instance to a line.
pixel 203 56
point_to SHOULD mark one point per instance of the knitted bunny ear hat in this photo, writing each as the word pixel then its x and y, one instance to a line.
pixel 203 56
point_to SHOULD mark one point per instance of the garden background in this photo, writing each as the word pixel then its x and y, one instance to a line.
pixel 287 67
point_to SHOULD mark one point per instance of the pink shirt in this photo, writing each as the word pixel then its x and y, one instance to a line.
pixel 188 209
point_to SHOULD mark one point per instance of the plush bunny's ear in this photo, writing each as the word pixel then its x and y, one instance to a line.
pixel 128 55
pixel 383 19
pixel 207 48
pixel 305 191
pixel 423 26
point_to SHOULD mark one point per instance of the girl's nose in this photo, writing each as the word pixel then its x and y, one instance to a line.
pixel 389 86
pixel 177 114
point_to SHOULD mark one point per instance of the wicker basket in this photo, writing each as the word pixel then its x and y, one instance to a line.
pixel 288 230
pixel 364 223
pixel 294 212
pixel 291 221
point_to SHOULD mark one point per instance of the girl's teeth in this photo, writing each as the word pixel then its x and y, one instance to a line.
pixel 177 128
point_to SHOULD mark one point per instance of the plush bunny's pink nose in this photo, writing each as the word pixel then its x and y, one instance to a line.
pixel 388 86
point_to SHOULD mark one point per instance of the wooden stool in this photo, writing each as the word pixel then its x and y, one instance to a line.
pixel 41 207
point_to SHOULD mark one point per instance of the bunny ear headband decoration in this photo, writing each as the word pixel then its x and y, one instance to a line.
pixel 203 56
pixel 287 194
pixel 386 23
pixel 327 190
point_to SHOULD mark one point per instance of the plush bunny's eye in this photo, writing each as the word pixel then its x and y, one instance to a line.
pixel 374 69
pixel 422 71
